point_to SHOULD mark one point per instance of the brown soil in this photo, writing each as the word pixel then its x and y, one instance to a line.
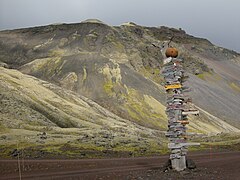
pixel 221 165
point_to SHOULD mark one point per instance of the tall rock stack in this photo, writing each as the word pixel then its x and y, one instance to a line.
pixel 178 108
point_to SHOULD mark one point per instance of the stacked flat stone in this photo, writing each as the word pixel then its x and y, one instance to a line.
pixel 177 111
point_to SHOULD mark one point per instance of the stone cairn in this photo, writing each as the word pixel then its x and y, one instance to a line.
pixel 178 108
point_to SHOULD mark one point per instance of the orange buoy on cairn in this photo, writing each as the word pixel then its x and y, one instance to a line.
pixel 171 52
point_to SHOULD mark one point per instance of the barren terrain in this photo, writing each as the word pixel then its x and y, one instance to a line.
pixel 210 165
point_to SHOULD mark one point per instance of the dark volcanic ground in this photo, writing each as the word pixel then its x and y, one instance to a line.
pixel 217 165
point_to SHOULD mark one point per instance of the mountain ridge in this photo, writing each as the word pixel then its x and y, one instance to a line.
pixel 118 68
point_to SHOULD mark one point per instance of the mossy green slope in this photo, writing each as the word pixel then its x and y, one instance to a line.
pixel 30 106
pixel 117 67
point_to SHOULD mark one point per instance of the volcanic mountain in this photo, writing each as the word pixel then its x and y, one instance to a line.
pixel 98 84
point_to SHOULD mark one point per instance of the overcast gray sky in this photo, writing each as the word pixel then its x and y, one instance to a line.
pixel 216 20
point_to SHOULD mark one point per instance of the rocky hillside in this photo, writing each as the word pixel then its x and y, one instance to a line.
pixel 94 78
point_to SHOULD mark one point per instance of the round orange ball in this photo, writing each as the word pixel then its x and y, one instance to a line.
pixel 171 52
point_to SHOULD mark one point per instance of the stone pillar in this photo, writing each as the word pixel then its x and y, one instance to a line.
pixel 179 164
